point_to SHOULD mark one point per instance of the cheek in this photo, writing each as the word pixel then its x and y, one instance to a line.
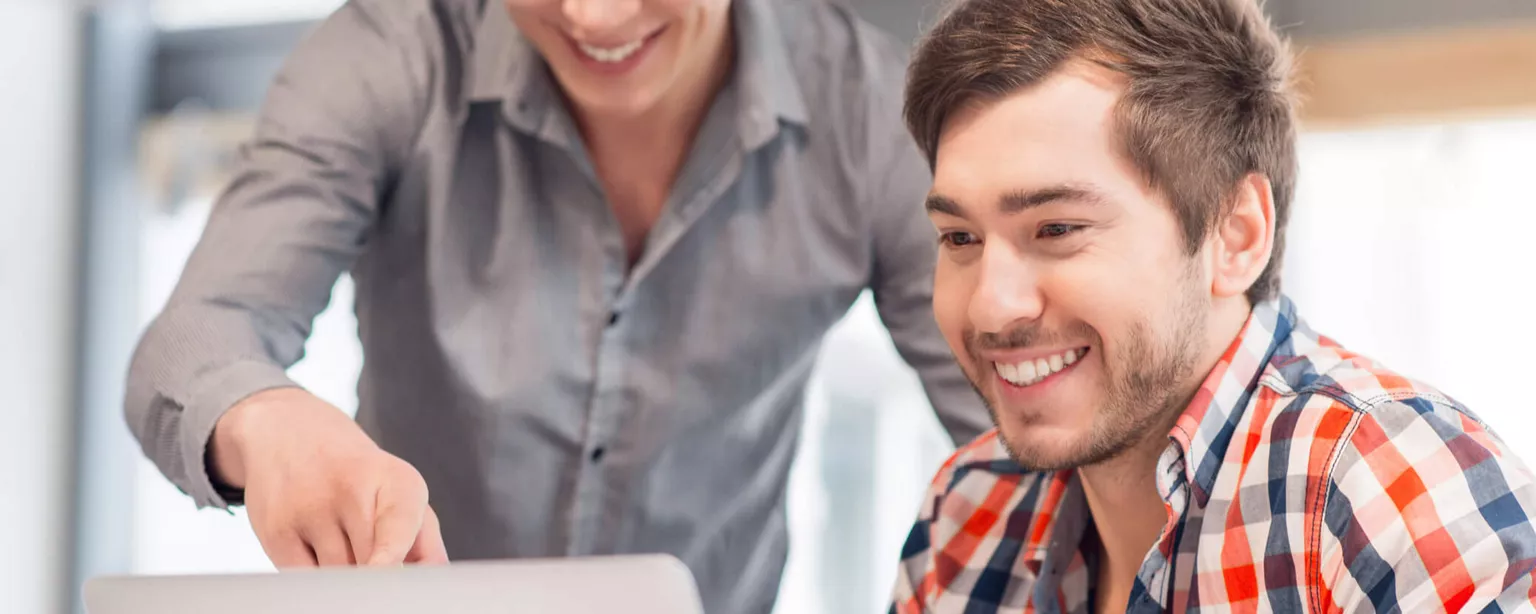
pixel 1084 287
pixel 693 13
pixel 952 289
pixel 1115 293
pixel 1118 274
pixel 1106 293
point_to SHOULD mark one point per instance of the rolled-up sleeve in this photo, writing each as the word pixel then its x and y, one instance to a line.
pixel 303 197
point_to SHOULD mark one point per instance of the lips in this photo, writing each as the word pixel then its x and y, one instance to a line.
pixel 614 56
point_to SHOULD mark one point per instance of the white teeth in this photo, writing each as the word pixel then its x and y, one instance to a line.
pixel 1031 372
pixel 611 55
pixel 1027 371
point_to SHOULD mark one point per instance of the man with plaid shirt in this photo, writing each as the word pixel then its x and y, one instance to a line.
pixel 1112 180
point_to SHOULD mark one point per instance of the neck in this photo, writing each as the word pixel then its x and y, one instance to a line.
pixel 1128 516
pixel 654 142
pixel 1122 491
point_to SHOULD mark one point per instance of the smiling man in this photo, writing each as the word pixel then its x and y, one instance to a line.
pixel 596 244
pixel 1111 186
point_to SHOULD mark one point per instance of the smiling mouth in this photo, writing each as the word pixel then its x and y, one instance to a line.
pixel 615 54
pixel 1030 372
pixel 611 55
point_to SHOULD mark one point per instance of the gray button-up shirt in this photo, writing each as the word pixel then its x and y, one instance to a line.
pixel 557 401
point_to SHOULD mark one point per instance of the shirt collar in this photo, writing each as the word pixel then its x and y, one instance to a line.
pixel 1208 424
pixel 508 69
pixel 1057 522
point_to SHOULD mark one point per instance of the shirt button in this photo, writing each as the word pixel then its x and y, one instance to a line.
pixel 597 454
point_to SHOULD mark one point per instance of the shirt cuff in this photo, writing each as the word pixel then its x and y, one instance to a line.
pixel 216 393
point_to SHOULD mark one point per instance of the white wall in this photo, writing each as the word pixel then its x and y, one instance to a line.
pixel 38 74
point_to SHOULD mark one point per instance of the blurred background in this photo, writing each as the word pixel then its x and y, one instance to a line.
pixel 1411 241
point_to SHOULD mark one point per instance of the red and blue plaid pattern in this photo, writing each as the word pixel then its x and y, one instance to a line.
pixel 1302 477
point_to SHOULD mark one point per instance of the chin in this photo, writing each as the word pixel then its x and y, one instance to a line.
pixel 1047 448
pixel 618 100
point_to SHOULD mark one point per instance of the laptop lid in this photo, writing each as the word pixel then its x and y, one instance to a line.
pixel 649 584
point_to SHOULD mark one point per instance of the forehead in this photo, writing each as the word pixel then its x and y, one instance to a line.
pixel 1058 131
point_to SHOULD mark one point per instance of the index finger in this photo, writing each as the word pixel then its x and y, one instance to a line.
pixel 398 519
pixel 429 548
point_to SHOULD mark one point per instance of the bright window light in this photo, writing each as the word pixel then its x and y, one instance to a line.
pixel 189 14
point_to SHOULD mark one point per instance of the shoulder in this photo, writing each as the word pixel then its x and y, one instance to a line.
pixel 392 15
pixel 1315 388
pixel 1418 503
pixel 828 41
pixel 850 72
pixel 980 502
pixel 1378 415
pixel 375 66
pixel 1419 449
pixel 405 41
pixel 980 481
pixel 408 22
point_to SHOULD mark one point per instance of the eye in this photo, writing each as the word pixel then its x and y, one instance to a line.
pixel 1056 231
pixel 957 239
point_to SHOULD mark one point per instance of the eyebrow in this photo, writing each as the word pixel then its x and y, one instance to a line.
pixel 938 203
pixel 1022 200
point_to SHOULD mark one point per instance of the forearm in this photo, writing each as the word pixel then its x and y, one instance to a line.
pixel 341 114
pixel 193 364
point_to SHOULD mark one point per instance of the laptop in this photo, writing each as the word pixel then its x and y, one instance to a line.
pixel 646 584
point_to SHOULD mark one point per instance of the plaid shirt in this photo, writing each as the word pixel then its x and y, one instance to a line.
pixel 1302 477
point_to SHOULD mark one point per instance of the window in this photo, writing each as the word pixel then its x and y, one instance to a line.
pixel 186 14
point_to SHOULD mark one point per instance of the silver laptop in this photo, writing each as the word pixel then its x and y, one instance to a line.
pixel 651 584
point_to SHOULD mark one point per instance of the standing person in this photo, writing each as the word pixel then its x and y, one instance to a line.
pixel 1112 180
pixel 596 245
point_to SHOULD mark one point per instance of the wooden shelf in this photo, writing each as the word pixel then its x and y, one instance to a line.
pixel 1416 77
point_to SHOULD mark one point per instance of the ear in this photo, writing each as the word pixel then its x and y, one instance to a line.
pixel 1243 239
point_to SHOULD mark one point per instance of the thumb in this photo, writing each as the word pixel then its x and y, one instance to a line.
pixel 400 512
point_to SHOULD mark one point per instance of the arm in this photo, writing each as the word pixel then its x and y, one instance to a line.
pixel 1426 511
pixel 305 193
pixel 905 249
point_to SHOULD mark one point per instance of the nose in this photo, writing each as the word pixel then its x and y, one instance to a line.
pixel 1007 293
pixel 596 17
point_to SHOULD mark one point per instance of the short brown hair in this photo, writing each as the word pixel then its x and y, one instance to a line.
pixel 1208 97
